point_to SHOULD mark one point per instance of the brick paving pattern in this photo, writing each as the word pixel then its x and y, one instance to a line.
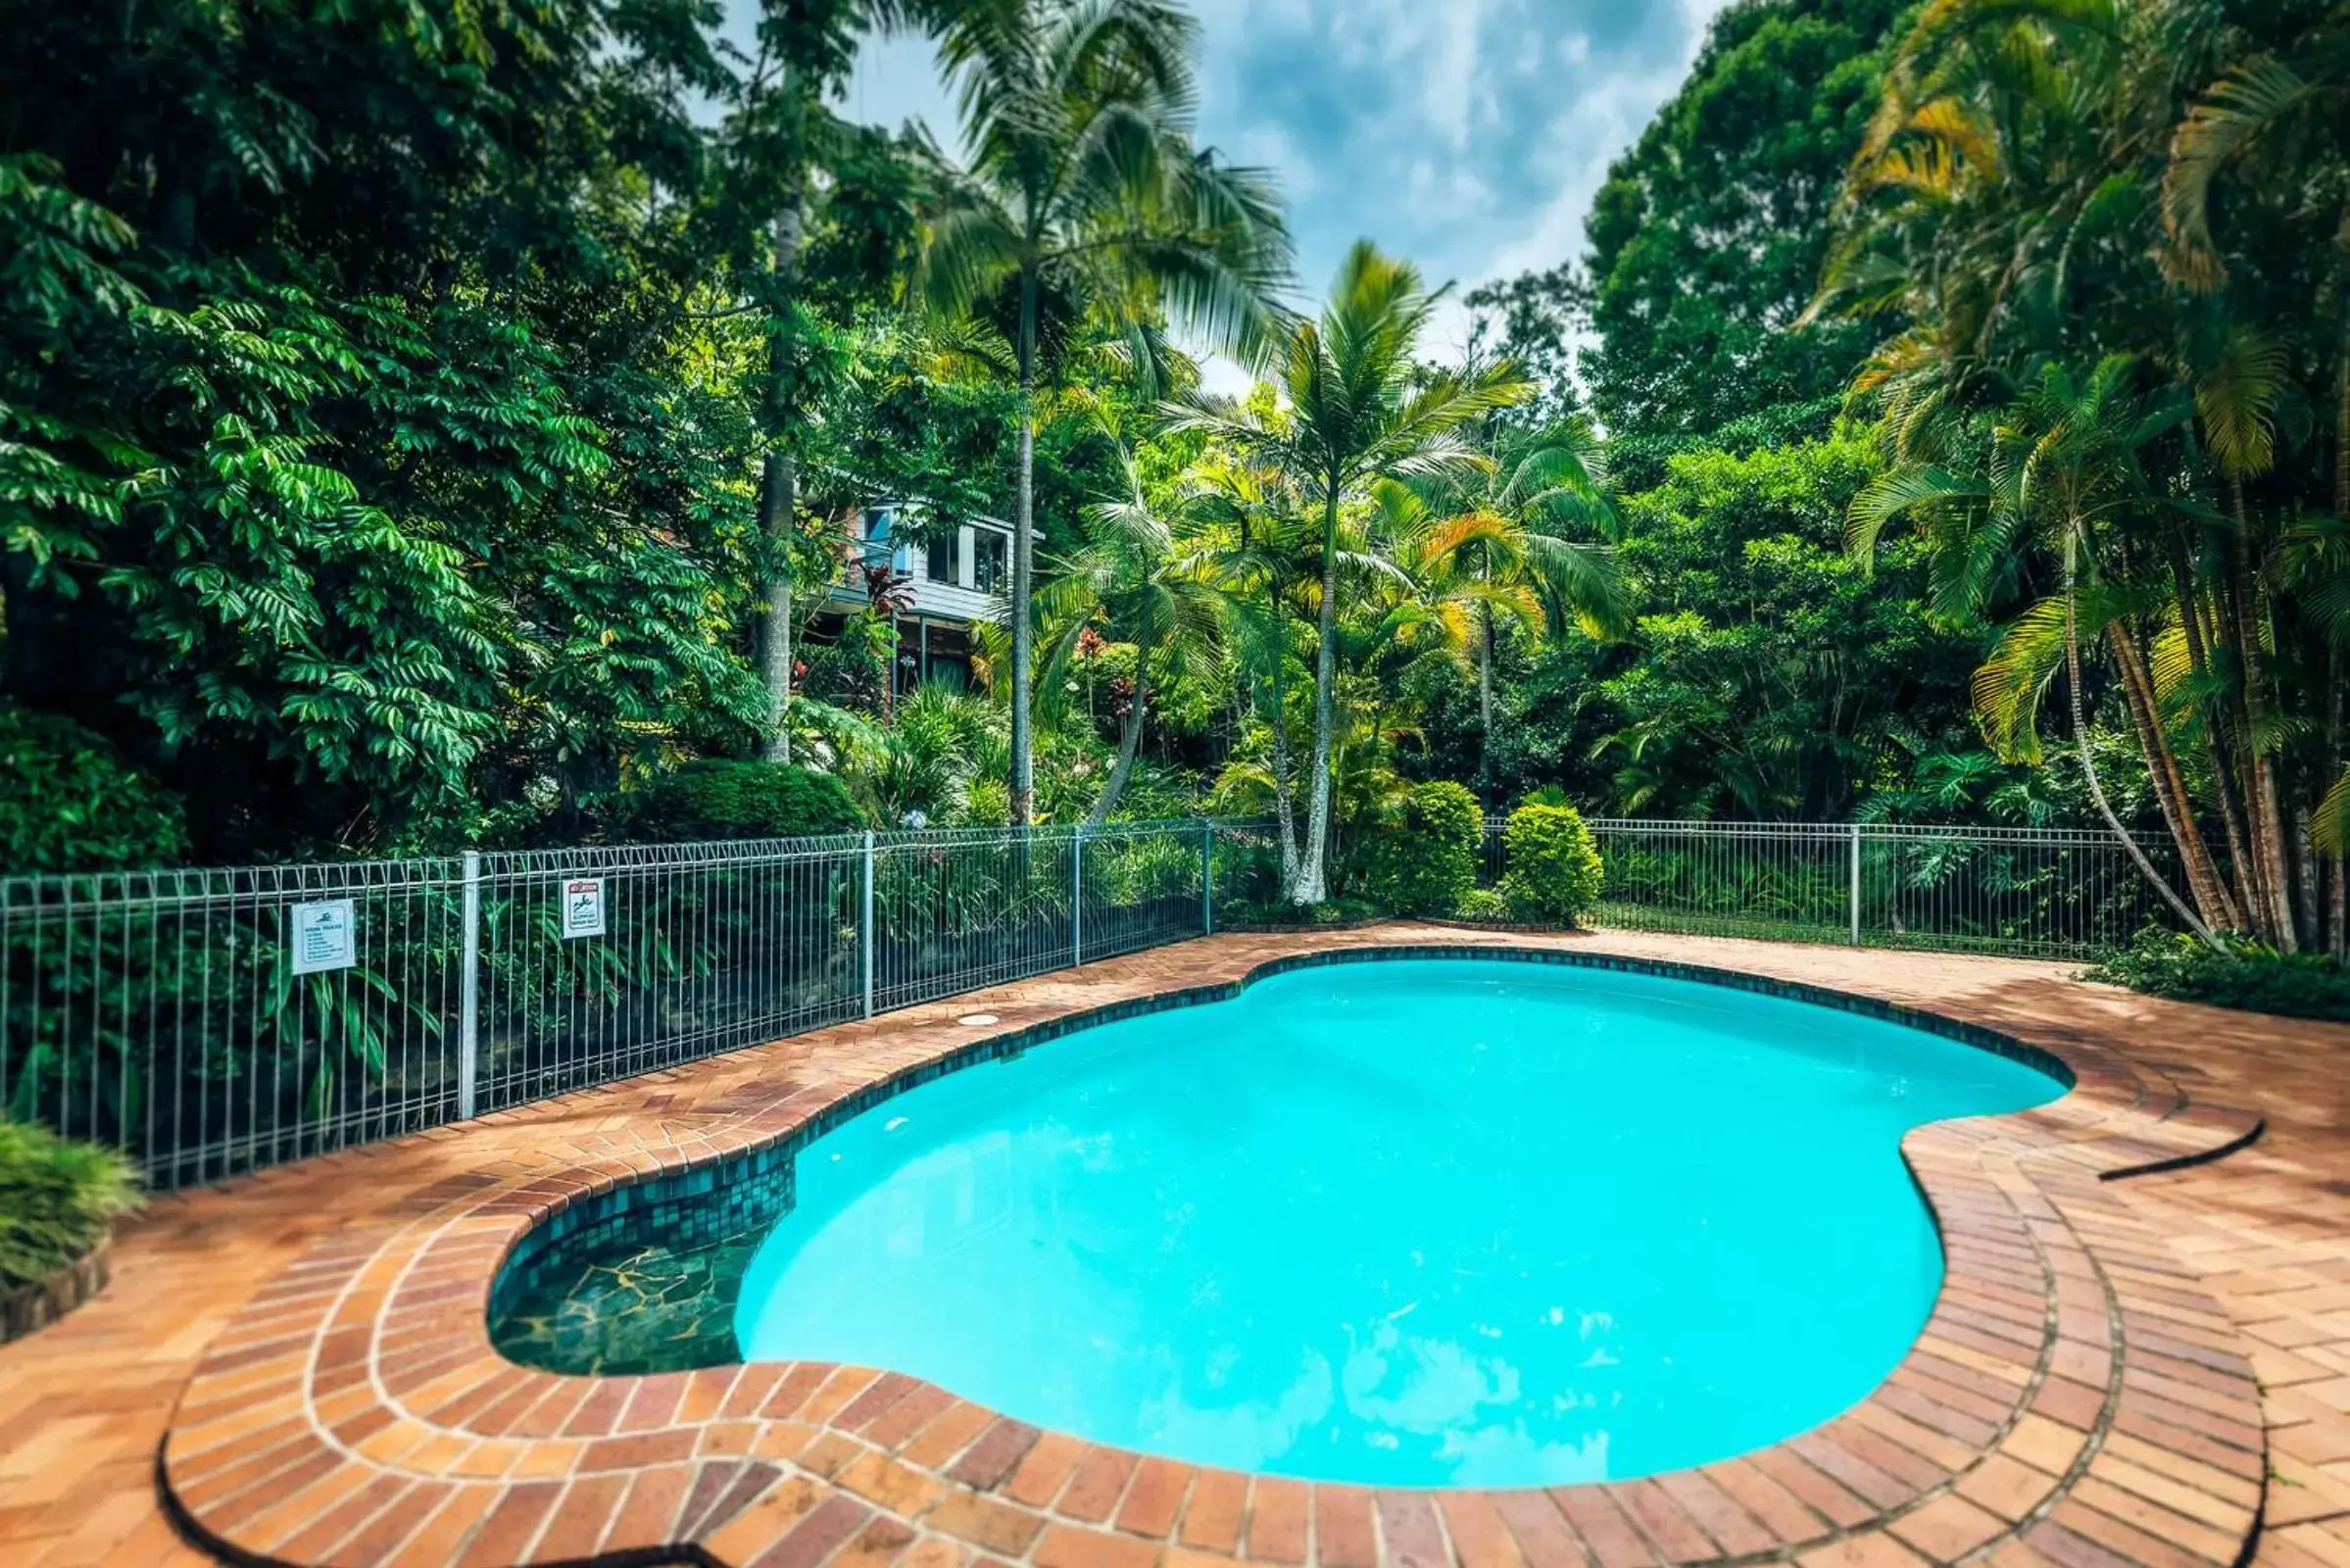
pixel 2118 1371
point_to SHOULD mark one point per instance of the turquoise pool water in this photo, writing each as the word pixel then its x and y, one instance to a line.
pixel 1441 1223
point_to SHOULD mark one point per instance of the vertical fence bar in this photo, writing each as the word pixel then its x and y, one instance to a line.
pixel 1077 898
pixel 1207 878
pixel 864 926
pixel 468 991
pixel 1853 896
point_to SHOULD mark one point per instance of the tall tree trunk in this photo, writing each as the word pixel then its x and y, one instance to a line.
pixel 2273 922
pixel 1312 884
pixel 2089 764
pixel 779 485
pixel 1023 634
pixel 2342 677
pixel 1485 703
pixel 1282 805
pixel 2169 784
pixel 2214 732
pixel 2339 916
pixel 1130 740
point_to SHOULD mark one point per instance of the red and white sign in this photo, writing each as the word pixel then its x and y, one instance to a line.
pixel 583 906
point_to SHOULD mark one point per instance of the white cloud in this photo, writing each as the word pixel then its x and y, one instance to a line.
pixel 1269 144
pixel 1468 134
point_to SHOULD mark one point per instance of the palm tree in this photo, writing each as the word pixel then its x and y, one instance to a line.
pixel 2278 117
pixel 1253 529
pixel 1494 547
pixel 1359 408
pixel 1142 578
pixel 1085 198
pixel 2064 464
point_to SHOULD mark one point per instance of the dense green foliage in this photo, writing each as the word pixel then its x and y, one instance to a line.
pixel 1553 876
pixel 425 424
pixel 2246 975
pixel 70 804
pixel 1708 236
pixel 2115 406
pixel 734 800
pixel 1425 860
pixel 1483 904
pixel 57 1198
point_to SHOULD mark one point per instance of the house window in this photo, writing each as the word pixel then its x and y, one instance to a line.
pixel 940 554
pixel 879 549
pixel 991 554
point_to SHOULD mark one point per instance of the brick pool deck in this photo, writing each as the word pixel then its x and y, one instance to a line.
pixel 2153 1369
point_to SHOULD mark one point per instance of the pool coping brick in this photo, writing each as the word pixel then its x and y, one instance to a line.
pixel 2078 1397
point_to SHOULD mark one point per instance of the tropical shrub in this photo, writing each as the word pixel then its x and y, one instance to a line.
pixel 1555 872
pixel 69 804
pixel 1482 903
pixel 1425 858
pixel 57 1197
pixel 2171 963
pixel 728 800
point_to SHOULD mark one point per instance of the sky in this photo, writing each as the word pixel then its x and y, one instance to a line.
pixel 1468 135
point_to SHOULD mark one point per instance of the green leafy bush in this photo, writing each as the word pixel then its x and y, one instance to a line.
pixel 1425 860
pixel 1482 903
pixel 57 1197
pixel 721 799
pixel 2257 979
pixel 69 804
pixel 1553 876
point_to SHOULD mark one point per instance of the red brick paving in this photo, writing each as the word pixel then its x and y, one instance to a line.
pixel 2084 1394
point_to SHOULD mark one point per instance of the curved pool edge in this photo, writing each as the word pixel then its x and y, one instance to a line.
pixel 356 1412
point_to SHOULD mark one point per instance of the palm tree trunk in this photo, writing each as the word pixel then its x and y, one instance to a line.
pixel 2215 733
pixel 1282 803
pixel 2274 921
pixel 2169 784
pixel 1485 703
pixel 1130 738
pixel 1023 635
pixel 2341 508
pixel 2340 913
pixel 779 490
pixel 2088 764
pixel 1312 884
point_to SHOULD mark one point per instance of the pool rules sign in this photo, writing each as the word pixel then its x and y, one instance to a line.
pixel 583 906
pixel 326 936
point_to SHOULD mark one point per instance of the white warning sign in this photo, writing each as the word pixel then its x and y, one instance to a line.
pixel 326 936
pixel 583 906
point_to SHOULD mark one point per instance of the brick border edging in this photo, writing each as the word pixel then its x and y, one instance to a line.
pixel 393 1433
pixel 30 1308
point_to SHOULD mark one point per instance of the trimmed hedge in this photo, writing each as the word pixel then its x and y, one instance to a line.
pixel 57 1198
pixel 1425 861
pixel 1555 873
pixel 722 800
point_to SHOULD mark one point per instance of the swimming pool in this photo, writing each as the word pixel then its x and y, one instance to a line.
pixel 1428 1222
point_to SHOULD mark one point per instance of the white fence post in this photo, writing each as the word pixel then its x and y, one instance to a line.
pixel 1207 877
pixel 468 1016
pixel 1854 898
pixel 1077 897
pixel 864 925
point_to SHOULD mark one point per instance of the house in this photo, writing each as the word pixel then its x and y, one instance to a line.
pixel 939 587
